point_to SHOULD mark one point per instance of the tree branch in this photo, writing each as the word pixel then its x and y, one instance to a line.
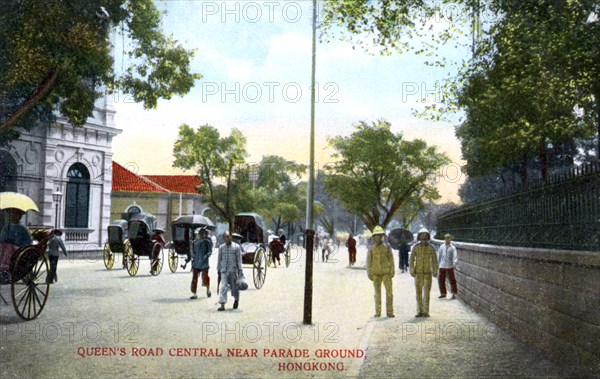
pixel 41 91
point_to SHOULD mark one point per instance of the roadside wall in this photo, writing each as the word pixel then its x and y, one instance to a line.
pixel 548 298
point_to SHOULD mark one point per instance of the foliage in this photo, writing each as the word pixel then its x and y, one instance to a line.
pixel 216 158
pixel 378 172
pixel 532 84
pixel 58 53
pixel 522 90
pixel 395 25
pixel 278 196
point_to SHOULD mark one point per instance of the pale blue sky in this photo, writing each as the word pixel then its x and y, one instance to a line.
pixel 255 60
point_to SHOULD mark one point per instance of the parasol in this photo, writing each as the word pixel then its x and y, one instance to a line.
pixel 18 201
pixel 398 236
pixel 196 220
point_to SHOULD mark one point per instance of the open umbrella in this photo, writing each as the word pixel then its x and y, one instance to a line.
pixel 398 236
pixel 18 201
pixel 196 220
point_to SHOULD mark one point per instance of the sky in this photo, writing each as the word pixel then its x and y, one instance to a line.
pixel 255 59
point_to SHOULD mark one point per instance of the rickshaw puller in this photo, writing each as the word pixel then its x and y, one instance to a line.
pixel 202 249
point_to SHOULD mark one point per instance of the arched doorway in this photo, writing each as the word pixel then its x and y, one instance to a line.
pixel 77 196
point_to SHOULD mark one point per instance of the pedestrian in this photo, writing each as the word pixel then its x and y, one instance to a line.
pixel 403 255
pixel 447 258
pixel 54 245
pixel 351 245
pixel 381 269
pixel 202 249
pixel 229 267
pixel 14 232
pixel 423 264
pixel 326 250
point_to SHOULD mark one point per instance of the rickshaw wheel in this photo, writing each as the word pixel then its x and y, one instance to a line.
pixel 133 260
pixel 133 264
pixel 156 264
pixel 127 253
pixel 270 259
pixel 109 259
pixel 173 260
pixel 288 256
pixel 30 286
pixel 259 267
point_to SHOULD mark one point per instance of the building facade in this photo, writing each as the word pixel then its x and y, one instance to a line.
pixel 164 196
pixel 73 162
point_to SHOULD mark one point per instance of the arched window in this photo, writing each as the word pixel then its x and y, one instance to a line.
pixel 78 197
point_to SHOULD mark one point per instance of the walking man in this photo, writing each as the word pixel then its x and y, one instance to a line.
pixel 54 245
pixel 403 255
pixel 229 266
pixel 202 249
pixel 423 264
pixel 447 258
pixel 351 245
pixel 380 269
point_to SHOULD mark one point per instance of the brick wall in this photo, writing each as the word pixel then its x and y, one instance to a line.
pixel 548 298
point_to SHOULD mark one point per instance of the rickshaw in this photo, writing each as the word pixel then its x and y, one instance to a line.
pixel 27 272
pixel 117 243
pixel 25 268
pixel 145 240
pixel 183 235
pixel 251 228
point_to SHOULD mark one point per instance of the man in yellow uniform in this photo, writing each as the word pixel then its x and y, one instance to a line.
pixel 381 269
pixel 423 264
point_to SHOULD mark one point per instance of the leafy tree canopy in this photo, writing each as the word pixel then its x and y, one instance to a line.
pixel 219 162
pixel 526 84
pixel 58 53
pixel 378 172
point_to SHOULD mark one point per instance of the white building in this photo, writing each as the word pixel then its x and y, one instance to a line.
pixel 76 162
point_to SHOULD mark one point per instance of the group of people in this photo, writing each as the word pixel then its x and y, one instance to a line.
pixel 424 263
pixel 229 265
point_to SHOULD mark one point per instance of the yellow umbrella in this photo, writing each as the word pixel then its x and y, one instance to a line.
pixel 18 201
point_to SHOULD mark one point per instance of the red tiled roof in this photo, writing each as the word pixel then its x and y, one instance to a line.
pixel 177 183
pixel 125 180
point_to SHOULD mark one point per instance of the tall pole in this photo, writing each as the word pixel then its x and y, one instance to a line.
pixel 310 232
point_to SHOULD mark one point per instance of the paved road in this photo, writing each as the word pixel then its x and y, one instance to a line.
pixel 100 323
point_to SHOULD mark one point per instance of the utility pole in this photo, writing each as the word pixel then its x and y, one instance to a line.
pixel 310 232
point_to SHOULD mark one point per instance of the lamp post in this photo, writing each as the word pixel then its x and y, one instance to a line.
pixel 57 196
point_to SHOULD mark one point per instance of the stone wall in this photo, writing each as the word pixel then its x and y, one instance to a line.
pixel 548 298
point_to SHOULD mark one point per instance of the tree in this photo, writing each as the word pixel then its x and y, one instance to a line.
pixel 377 172
pixel 523 88
pixel 278 195
pixel 533 65
pixel 58 53
pixel 215 157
